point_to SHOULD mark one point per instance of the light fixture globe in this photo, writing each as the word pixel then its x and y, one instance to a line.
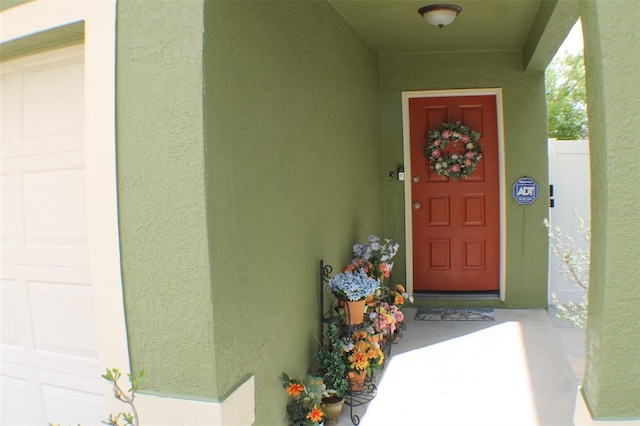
pixel 440 14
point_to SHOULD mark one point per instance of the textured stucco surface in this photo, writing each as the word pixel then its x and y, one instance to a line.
pixel 553 22
pixel 525 144
pixel 293 163
pixel 162 198
pixel 612 376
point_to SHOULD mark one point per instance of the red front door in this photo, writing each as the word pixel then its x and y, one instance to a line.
pixel 455 223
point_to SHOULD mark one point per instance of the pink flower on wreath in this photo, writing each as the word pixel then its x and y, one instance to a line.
pixel 470 154
pixel 446 134
pixel 435 153
pixel 454 168
pixel 464 138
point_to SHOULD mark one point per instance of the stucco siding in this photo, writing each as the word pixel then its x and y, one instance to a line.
pixel 161 196
pixel 293 164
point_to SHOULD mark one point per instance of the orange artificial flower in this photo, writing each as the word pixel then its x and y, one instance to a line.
pixel 359 335
pixel 384 269
pixel 295 389
pixel 349 268
pixel 315 415
pixel 399 300
pixel 358 361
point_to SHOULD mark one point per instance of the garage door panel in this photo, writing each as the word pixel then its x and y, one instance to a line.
pixel 50 104
pixel 63 319
pixel 11 104
pixel 61 194
pixel 70 406
pixel 11 221
pixel 51 256
pixel 13 312
pixel 18 362
pixel 16 393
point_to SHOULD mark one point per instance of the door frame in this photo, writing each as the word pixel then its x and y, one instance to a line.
pixel 408 218
pixel 99 17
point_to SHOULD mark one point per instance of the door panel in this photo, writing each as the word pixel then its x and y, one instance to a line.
pixel 455 223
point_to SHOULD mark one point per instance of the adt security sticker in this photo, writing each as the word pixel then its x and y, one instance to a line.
pixel 525 190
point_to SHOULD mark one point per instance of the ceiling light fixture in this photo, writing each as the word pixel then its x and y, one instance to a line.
pixel 440 14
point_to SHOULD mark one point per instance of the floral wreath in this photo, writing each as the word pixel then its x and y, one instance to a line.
pixel 457 165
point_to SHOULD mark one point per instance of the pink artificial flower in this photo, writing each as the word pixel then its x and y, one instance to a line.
pixel 454 168
pixel 470 154
pixel 435 153
pixel 446 134
pixel 464 138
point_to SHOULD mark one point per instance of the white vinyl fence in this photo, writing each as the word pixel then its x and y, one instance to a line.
pixel 569 173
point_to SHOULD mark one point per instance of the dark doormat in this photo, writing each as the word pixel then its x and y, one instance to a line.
pixel 454 314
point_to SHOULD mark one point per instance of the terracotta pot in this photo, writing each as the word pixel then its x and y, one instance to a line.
pixel 332 408
pixel 378 338
pixel 354 312
pixel 370 300
pixel 356 380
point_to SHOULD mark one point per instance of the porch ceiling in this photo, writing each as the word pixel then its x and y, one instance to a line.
pixel 530 26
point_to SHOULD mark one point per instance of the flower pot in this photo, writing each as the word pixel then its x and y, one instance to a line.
pixel 370 300
pixel 332 408
pixel 354 312
pixel 356 380
pixel 378 337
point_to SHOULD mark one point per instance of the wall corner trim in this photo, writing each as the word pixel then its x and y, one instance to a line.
pixel 238 409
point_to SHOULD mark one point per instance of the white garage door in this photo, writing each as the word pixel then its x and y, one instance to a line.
pixel 50 368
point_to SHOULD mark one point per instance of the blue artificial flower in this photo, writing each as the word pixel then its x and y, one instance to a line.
pixel 353 286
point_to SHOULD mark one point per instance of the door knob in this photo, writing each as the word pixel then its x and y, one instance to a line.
pixel 416 205
pixel 416 179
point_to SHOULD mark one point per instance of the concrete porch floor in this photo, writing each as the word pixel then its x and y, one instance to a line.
pixel 522 369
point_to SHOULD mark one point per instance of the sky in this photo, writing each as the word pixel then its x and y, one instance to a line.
pixel 573 43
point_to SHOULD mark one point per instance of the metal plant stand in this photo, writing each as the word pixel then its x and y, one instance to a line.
pixel 364 391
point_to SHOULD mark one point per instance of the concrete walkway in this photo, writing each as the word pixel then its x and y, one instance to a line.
pixel 522 369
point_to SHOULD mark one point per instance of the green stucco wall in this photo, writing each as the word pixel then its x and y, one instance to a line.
pixel 161 191
pixel 612 375
pixel 525 148
pixel 293 172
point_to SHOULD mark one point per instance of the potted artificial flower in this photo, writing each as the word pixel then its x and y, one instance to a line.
pixel 361 355
pixel 399 297
pixel 383 322
pixel 334 373
pixel 306 398
pixel 353 287
pixel 374 257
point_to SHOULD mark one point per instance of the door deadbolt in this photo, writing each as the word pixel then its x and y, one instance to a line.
pixel 416 205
